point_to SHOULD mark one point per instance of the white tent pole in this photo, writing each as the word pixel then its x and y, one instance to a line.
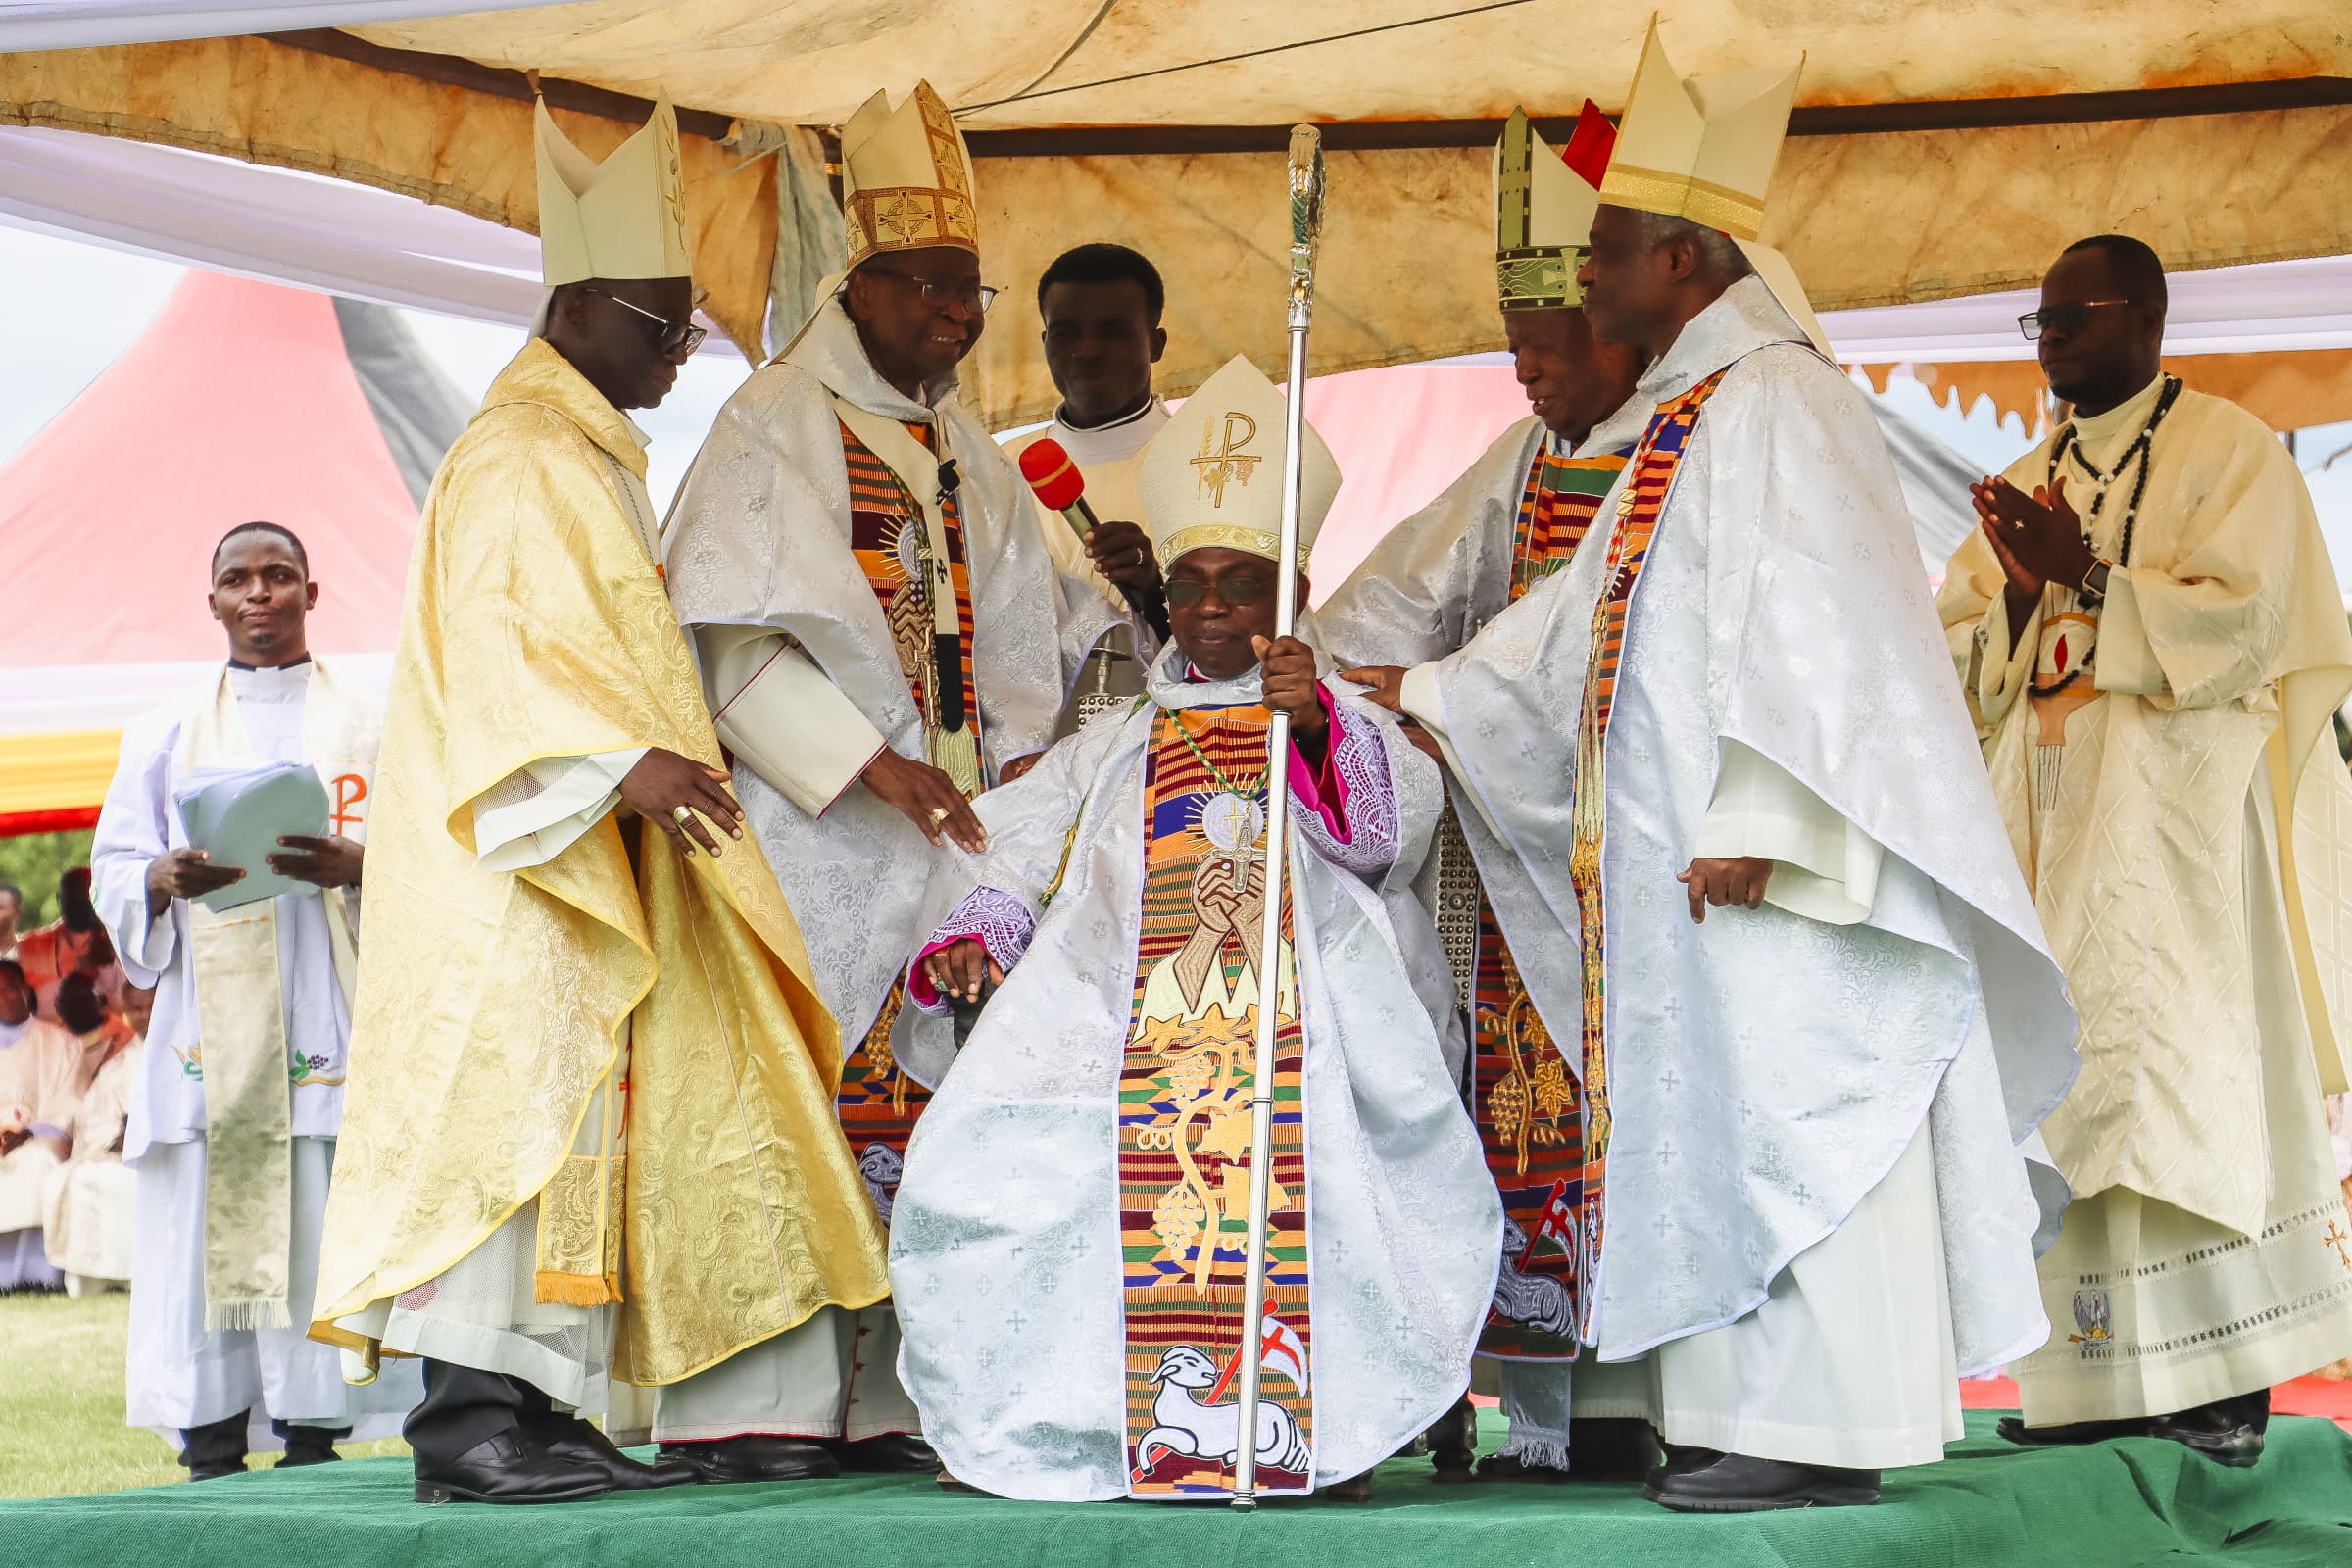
pixel 1307 232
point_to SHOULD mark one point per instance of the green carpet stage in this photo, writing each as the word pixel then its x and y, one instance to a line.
pixel 1989 1506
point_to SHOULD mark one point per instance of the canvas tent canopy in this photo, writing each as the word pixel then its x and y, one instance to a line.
pixel 1935 152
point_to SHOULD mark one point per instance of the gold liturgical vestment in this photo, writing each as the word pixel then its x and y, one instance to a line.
pixel 492 1004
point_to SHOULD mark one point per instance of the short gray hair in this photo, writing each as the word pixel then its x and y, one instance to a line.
pixel 1719 255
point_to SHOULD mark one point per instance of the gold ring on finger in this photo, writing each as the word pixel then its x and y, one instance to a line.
pixel 939 814
pixel 684 815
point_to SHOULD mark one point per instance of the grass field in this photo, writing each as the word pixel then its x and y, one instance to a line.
pixel 60 1403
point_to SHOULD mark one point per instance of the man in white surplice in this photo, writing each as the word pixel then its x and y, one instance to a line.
pixel 219 1303
pixel 1819 1010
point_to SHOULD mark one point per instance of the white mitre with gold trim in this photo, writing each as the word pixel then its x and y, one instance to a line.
pixel 1212 478
pixel 1703 148
pixel 624 217
pixel 906 178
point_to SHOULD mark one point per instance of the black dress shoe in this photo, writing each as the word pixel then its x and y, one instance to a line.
pixel 217 1449
pixel 575 1440
pixel 2225 1431
pixel 308 1446
pixel 2014 1428
pixel 756 1456
pixel 214 1471
pixel 1612 1449
pixel 510 1467
pixel 893 1453
pixel 1453 1443
pixel 1734 1482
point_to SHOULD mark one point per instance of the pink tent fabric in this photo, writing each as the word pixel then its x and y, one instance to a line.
pixel 240 401
pixel 1402 437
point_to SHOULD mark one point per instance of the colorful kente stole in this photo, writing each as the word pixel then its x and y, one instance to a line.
pixel 1184 1129
pixel 1523 1092
pixel 1640 505
pixel 878 1103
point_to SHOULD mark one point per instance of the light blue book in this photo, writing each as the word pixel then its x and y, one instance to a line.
pixel 237 815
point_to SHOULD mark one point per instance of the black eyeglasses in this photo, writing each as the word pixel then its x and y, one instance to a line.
pixel 1190 591
pixel 668 336
pixel 2062 318
pixel 971 296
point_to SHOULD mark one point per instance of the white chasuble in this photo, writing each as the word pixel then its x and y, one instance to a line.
pixel 1766 1070
pixel 765 575
pixel 1033 1345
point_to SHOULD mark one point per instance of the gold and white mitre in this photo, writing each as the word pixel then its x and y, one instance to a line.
pixel 906 178
pixel 1543 207
pixel 1703 148
pixel 1212 478
pixel 624 217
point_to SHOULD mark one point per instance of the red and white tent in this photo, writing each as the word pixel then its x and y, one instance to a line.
pixel 242 400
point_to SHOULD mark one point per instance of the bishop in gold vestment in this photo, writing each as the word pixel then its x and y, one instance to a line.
pixel 2167 769
pixel 554 972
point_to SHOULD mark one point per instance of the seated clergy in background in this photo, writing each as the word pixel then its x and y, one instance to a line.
pixel 1068 1241
pixel 2151 641
pixel 38 1064
pixel 1817 1011
pixel 1101 305
pixel 76 940
pixel 90 1205
pixel 233 1130
pixel 1513 518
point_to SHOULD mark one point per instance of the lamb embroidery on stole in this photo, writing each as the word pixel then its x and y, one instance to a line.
pixel 1184 1125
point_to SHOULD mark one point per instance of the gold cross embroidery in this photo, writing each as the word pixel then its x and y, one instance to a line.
pixel 2336 1238
pixel 1227 460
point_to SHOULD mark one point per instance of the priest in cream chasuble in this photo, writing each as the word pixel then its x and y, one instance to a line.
pixel 872 610
pixel 1815 1022
pixel 2151 641
pixel 564 1124
pixel 1068 1249
pixel 1514 518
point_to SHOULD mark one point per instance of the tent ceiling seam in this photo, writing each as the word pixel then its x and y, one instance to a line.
pixel 1825 119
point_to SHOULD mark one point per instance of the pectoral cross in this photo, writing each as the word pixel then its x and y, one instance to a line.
pixel 2336 1238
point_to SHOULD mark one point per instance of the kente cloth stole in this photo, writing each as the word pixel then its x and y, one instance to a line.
pixel 1640 503
pixel 1183 1126
pixel 1524 1096
pixel 1563 496
pixel 893 548
pixel 249 1070
pixel 878 1103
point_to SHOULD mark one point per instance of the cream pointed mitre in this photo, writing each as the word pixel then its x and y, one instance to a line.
pixel 1703 148
pixel 623 217
pixel 1543 207
pixel 1212 478
pixel 906 178
pixel 1700 148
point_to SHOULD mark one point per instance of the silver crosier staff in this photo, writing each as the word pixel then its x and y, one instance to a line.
pixel 1307 234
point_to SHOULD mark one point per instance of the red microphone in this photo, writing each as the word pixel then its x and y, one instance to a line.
pixel 1055 481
